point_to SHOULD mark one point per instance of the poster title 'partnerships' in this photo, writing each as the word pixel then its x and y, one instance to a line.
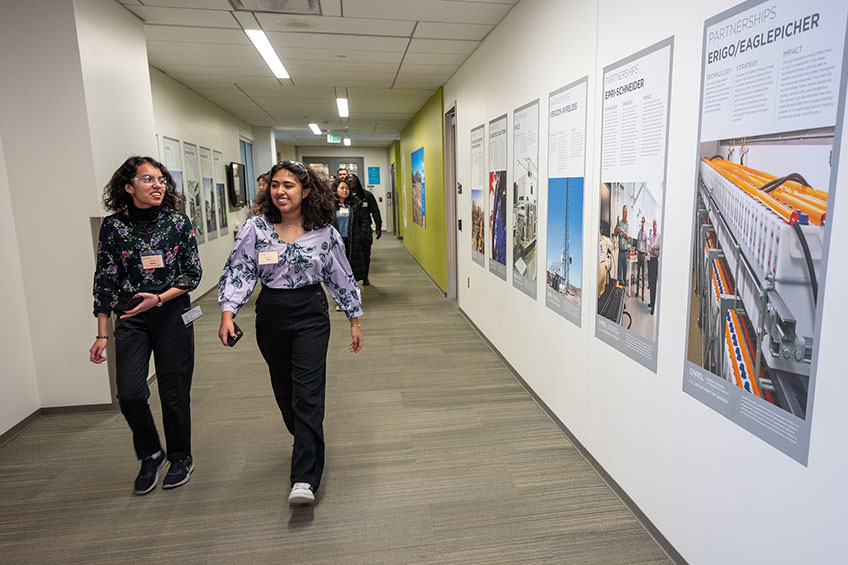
pixel 765 38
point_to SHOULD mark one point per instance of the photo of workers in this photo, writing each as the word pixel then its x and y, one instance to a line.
pixel 497 219
pixel 478 226
pixel 211 210
pixel 222 205
pixel 564 254
pixel 629 254
pixel 195 210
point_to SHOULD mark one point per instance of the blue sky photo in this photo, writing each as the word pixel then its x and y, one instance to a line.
pixel 556 225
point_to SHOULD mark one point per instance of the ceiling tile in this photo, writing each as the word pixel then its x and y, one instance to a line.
pixel 442 70
pixel 200 4
pixel 432 10
pixel 338 41
pixel 185 34
pixel 347 55
pixel 185 16
pixel 432 30
pixel 401 27
pixel 442 46
pixel 435 58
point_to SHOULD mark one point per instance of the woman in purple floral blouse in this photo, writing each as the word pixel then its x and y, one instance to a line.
pixel 291 246
pixel 147 262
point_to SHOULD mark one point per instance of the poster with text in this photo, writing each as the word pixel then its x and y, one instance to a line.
pixel 172 161
pixel 194 203
pixel 497 195
pixel 208 187
pixel 634 144
pixel 525 196
pixel 771 110
pixel 478 187
pixel 419 210
pixel 567 117
pixel 220 193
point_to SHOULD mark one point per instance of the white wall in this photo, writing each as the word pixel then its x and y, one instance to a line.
pixel 181 114
pixel 18 380
pixel 372 157
pixel 718 494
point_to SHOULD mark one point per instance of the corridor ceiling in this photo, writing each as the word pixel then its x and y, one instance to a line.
pixel 389 56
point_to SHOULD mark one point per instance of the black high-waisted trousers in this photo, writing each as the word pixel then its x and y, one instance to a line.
pixel 293 331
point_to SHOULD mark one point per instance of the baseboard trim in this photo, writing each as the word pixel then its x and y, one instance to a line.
pixel 420 266
pixel 13 432
pixel 10 434
pixel 634 509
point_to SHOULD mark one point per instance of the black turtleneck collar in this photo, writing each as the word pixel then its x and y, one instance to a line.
pixel 143 214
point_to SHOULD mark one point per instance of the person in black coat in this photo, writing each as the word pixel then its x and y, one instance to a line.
pixel 354 225
pixel 369 202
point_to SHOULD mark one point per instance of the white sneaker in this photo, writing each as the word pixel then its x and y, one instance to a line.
pixel 301 493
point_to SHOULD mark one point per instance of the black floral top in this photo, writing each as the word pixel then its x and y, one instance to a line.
pixel 128 236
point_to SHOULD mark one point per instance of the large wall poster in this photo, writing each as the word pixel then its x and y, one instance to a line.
pixel 771 108
pixel 567 117
pixel 220 193
pixel 419 210
pixel 525 196
pixel 193 196
pixel 634 144
pixel 208 193
pixel 497 195
pixel 172 161
pixel 478 205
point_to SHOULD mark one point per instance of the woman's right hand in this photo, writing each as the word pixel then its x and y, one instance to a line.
pixel 96 351
pixel 226 329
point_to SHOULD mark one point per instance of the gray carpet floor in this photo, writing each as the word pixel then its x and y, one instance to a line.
pixel 435 455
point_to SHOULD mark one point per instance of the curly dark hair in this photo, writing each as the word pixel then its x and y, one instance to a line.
pixel 117 199
pixel 318 206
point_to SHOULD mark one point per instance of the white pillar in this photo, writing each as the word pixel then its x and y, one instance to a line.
pixel 264 149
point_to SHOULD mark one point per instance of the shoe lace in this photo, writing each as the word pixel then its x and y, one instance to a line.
pixel 178 466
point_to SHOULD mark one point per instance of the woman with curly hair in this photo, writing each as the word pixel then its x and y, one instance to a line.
pixel 292 247
pixel 147 262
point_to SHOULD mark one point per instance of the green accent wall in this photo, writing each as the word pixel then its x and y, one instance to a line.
pixel 428 244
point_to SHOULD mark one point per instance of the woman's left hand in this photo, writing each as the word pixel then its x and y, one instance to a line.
pixel 148 301
pixel 356 337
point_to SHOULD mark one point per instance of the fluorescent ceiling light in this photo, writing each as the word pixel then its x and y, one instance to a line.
pixel 347 141
pixel 260 41
pixel 315 129
pixel 344 111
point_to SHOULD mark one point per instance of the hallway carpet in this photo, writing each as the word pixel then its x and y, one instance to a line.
pixel 435 455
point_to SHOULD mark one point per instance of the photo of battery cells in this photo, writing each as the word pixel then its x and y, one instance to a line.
pixel 761 216
pixel 497 220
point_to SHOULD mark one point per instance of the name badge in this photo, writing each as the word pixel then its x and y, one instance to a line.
pixel 344 211
pixel 191 315
pixel 365 205
pixel 268 258
pixel 151 261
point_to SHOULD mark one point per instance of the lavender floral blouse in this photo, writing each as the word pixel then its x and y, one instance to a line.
pixel 318 256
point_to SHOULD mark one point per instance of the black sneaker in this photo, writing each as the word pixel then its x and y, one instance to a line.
pixel 179 472
pixel 148 476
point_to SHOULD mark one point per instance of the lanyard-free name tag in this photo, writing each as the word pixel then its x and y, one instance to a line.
pixel 344 211
pixel 269 258
pixel 152 260
pixel 192 315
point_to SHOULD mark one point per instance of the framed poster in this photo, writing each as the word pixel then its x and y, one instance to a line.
pixel 173 162
pixel 773 85
pixel 193 196
pixel 220 193
pixel 208 188
pixel 478 204
pixel 497 195
pixel 525 196
pixel 567 117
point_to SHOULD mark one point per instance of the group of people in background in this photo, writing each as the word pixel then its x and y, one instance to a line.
pixel 647 255
pixel 147 262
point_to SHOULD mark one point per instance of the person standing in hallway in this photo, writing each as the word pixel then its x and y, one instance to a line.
pixel 353 224
pixel 147 262
pixel 653 264
pixel 293 248
pixel 641 250
pixel 369 203
pixel 621 229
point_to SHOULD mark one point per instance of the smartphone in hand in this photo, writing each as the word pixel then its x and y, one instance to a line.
pixel 231 341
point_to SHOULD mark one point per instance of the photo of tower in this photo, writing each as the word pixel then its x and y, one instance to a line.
pixel 564 253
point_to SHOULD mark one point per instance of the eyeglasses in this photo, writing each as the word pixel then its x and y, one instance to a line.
pixel 150 179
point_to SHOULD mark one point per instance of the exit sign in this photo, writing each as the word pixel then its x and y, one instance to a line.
pixel 334 138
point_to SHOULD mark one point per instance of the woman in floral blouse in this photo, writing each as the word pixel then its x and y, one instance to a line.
pixel 292 248
pixel 147 262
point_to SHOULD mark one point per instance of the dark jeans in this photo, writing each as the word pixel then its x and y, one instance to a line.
pixel 653 266
pixel 162 331
pixel 623 258
pixel 293 331
pixel 640 270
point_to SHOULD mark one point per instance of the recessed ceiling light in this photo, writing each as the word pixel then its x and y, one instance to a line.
pixel 260 41
pixel 297 24
pixel 344 111
pixel 347 141
pixel 315 129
